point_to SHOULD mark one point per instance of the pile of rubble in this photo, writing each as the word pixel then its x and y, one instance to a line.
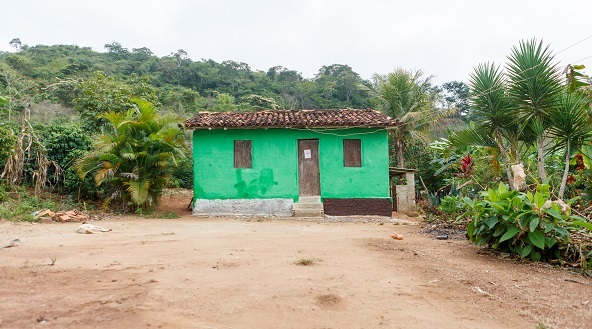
pixel 46 215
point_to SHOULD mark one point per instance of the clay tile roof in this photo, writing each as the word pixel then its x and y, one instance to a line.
pixel 290 118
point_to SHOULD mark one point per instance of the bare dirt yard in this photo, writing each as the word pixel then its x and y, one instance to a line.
pixel 249 273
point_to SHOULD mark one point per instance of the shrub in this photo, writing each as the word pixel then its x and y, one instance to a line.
pixel 451 207
pixel 7 143
pixel 64 143
pixel 135 156
pixel 525 224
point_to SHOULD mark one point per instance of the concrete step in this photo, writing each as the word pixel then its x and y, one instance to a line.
pixel 308 213
pixel 309 199
pixel 308 206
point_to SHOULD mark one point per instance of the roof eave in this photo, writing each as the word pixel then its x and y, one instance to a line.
pixel 290 127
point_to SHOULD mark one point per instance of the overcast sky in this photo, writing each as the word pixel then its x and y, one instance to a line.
pixel 442 38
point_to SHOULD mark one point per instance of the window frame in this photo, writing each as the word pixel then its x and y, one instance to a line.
pixel 243 154
pixel 352 152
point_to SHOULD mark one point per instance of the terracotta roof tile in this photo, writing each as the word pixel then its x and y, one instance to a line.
pixel 290 118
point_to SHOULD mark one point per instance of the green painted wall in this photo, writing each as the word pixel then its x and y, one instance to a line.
pixel 274 172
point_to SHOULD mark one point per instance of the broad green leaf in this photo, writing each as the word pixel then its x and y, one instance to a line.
pixel 576 217
pixel 561 231
pixel 548 227
pixel 502 188
pixel 539 200
pixel 499 205
pixel 587 155
pixel 535 255
pixel 534 224
pixel 537 238
pixel 583 224
pixel 469 202
pixel 510 233
pixel 524 222
pixel 491 221
pixel 544 189
pixel 492 194
pixel 550 242
pixel 470 228
pixel 553 213
pixel 500 229
pixel 525 251
pixel 483 241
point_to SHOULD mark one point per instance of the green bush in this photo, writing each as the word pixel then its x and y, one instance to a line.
pixel 183 174
pixel 451 207
pixel 7 143
pixel 525 224
pixel 64 144
pixel 135 156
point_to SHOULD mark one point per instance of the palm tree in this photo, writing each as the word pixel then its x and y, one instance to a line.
pixel 408 97
pixel 569 126
pixel 135 155
pixel 534 87
pixel 492 112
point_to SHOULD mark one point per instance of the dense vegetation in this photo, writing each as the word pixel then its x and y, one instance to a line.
pixel 60 95
pixel 102 126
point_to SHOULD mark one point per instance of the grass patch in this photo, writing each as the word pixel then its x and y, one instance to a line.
pixel 305 261
pixel 158 214
pixel 19 204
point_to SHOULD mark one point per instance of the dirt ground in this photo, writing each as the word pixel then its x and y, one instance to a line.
pixel 245 273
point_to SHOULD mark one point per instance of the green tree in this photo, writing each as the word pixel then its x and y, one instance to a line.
pixel 101 94
pixel 16 43
pixel 117 51
pixel 492 112
pixel 408 97
pixel 135 155
pixel 456 94
pixel 224 103
pixel 569 126
pixel 339 87
pixel 533 87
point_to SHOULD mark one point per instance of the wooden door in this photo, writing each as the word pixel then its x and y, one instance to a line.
pixel 308 167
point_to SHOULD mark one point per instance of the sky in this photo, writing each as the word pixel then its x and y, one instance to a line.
pixel 446 39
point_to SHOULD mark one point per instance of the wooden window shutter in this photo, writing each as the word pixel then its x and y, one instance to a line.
pixel 242 154
pixel 352 152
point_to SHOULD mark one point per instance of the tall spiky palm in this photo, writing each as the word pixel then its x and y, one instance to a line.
pixel 495 124
pixel 534 86
pixel 135 154
pixel 407 96
pixel 569 126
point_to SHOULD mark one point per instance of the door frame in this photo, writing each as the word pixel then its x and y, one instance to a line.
pixel 314 186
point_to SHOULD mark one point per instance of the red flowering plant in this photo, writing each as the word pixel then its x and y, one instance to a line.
pixel 466 167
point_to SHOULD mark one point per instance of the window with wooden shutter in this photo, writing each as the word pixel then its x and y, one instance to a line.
pixel 352 152
pixel 242 154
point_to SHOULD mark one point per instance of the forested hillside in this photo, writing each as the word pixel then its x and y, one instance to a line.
pixel 54 73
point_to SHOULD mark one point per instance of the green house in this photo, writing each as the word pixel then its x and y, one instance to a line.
pixel 291 162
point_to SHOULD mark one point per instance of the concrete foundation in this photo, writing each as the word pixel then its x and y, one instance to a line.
pixel 243 207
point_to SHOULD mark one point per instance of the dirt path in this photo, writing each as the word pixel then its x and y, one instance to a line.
pixel 238 273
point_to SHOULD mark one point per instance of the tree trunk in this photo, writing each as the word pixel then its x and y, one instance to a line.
pixel 504 155
pixel 541 159
pixel 565 173
pixel 400 159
